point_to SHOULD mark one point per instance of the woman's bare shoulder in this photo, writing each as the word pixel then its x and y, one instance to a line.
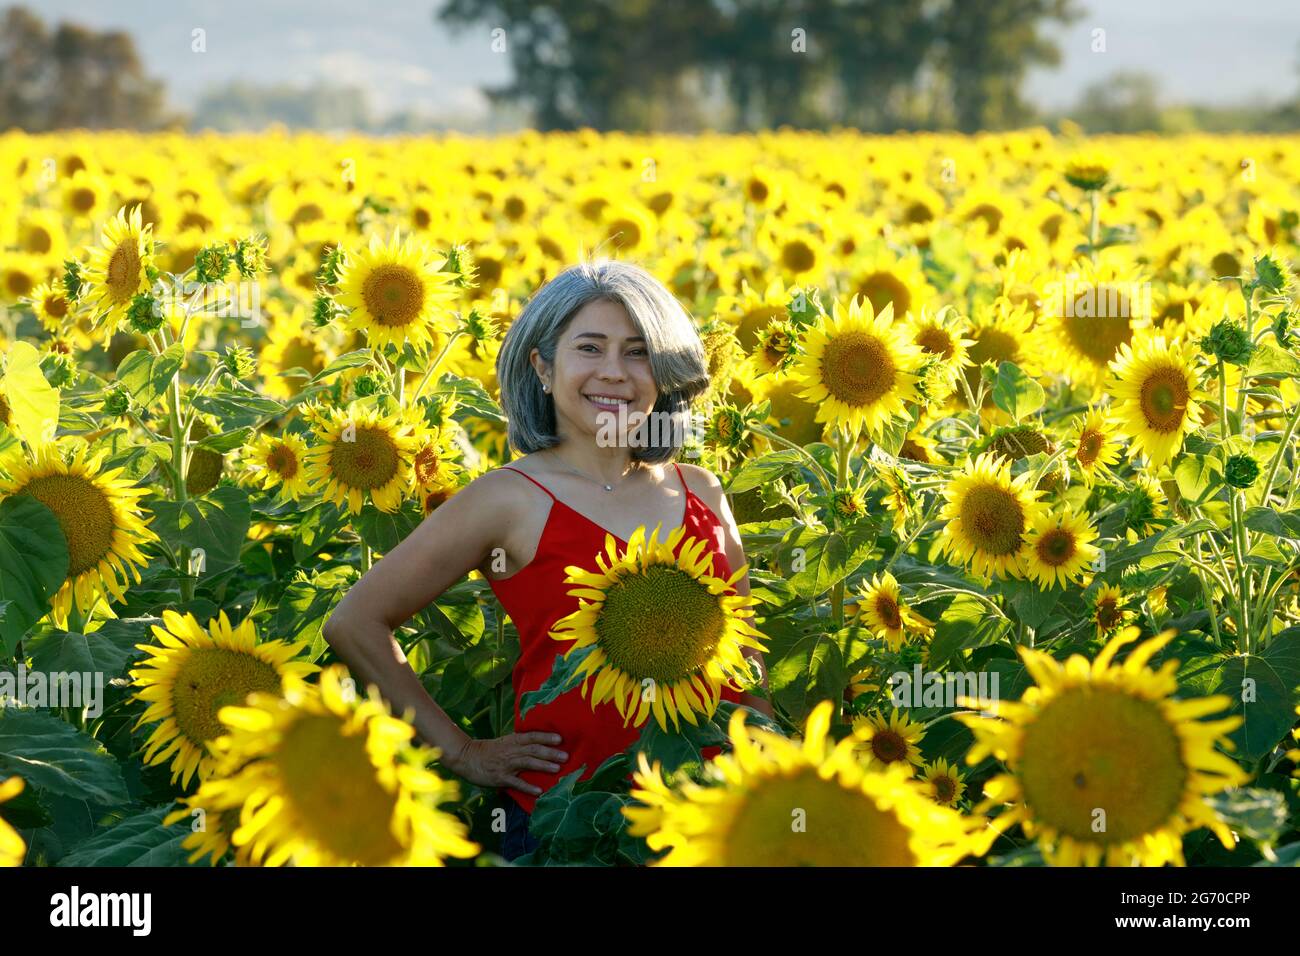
pixel 705 484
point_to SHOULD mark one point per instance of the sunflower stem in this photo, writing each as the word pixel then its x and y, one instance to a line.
pixel 844 448
pixel 428 372
pixel 1094 223
pixel 367 559
pixel 1277 456
pixel 772 436
pixel 180 435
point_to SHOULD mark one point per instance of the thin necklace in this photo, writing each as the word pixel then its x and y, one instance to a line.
pixel 582 474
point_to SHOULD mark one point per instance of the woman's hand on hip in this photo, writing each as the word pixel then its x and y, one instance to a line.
pixel 497 761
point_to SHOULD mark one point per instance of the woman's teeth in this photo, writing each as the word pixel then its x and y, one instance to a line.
pixel 603 401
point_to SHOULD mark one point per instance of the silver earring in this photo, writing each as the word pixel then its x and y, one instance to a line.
pixel 546 388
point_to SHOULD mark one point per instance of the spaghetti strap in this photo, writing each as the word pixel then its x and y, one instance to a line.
pixel 533 480
pixel 685 488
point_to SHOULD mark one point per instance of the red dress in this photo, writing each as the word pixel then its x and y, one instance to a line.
pixel 536 597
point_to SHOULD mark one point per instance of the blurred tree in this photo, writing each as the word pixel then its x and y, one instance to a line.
pixel 985 50
pixel 1124 102
pixel 73 76
pixel 876 64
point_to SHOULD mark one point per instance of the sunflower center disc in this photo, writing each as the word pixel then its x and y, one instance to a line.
pixel 857 369
pixel 393 294
pixel 1100 331
pixel 993 520
pixel 211 678
pixel 1093 750
pixel 841 827
pixel 84 514
pixel 888 746
pixel 1056 547
pixel 882 288
pixel 332 786
pixel 1089 447
pixel 888 611
pixel 123 273
pixel 282 461
pixel 660 623
pixel 935 341
pixel 798 256
pixel 368 462
pixel 1164 399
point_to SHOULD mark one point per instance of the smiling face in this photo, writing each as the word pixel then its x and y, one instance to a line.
pixel 601 365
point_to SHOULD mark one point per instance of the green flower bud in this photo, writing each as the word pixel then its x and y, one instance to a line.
pixel 212 263
pixel 482 327
pixel 1229 342
pixel 144 314
pixel 238 361
pixel 460 260
pixel 1240 471
pixel 330 265
pixel 250 256
pixel 117 400
pixel 365 385
pixel 322 311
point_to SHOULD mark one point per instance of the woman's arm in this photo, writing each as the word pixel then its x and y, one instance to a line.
pixel 456 538
pixel 735 552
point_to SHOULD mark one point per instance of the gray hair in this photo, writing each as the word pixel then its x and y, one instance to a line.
pixel 677 358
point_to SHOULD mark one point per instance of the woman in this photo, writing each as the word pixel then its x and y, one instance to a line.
pixel 601 341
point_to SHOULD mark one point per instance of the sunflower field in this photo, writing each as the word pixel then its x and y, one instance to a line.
pixel 1008 425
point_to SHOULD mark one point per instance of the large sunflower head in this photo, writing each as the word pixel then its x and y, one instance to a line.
pixel 773 801
pixel 361 453
pixel 396 292
pixel 1103 763
pixel 1156 396
pixel 859 369
pixel 665 634
pixel 193 674
pixel 119 268
pixel 320 777
pixel 98 512
pixel 988 516
pixel 1096 310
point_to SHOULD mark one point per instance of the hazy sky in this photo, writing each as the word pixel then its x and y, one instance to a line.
pixel 1207 51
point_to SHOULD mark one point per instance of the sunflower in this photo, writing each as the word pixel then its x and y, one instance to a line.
pixel 290 345
pixel 886 614
pixel 1060 548
pixel 214 838
pixel 1146 505
pixel 98 512
pixel 899 498
pixel 1096 446
pixel 396 293
pixel 323 779
pixel 885 280
pixel 119 268
pixel 939 336
pixel 661 626
pixel 50 303
pixel 195 673
pixel 1094 312
pixel 1103 763
pixel 773 801
pixel 360 453
pixel 1156 395
pixel 12 847
pixel 280 460
pixel 1000 333
pixel 751 310
pixel 1109 611
pixel 944 781
pixel 988 516
pixel 888 740
pixel 859 369
pixel 434 463
pixel 84 196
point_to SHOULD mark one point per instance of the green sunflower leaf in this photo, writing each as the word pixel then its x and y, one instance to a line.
pixel 564 677
pixel 33 565
pixel 53 755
